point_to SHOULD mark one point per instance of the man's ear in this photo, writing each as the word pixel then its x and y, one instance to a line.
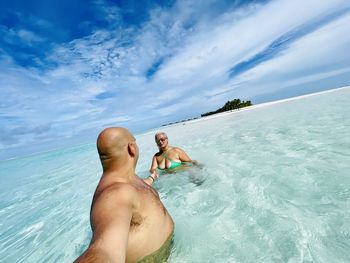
pixel 132 149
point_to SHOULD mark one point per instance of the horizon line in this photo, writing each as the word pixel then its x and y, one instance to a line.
pixel 200 118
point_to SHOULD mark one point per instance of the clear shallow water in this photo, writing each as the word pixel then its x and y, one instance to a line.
pixel 275 187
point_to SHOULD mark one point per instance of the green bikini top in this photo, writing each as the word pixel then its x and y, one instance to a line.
pixel 173 164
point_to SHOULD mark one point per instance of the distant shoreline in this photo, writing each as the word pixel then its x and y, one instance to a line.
pixel 193 120
pixel 255 106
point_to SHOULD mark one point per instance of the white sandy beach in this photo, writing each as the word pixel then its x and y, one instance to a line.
pixel 257 106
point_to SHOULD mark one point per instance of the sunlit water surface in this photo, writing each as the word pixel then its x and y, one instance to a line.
pixel 275 187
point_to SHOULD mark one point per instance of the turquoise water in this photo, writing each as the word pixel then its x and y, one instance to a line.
pixel 275 187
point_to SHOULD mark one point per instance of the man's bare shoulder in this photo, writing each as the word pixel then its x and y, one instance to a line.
pixel 116 194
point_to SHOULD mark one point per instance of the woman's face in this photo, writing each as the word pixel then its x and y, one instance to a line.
pixel 161 141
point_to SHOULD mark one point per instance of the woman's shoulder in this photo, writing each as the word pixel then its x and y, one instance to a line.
pixel 177 149
pixel 157 154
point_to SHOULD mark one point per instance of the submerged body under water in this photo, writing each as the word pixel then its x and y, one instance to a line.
pixel 274 187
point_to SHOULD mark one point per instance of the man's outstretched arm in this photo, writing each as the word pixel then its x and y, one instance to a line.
pixel 111 216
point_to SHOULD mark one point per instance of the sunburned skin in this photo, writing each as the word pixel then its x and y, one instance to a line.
pixel 137 219
pixel 172 155
pixel 128 220
pixel 168 159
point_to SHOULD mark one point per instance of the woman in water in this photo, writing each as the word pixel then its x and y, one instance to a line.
pixel 168 158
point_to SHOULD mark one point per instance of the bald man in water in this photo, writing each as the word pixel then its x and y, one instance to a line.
pixel 128 220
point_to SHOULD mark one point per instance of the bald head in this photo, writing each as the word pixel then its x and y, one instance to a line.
pixel 115 143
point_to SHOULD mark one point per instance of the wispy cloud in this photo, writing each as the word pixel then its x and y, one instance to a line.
pixel 174 61
pixel 28 37
pixel 283 42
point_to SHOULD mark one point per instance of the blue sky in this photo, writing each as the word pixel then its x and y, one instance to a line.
pixel 70 68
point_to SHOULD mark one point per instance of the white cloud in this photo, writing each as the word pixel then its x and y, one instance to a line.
pixel 318 55
pixel 28 36
pixel 197 48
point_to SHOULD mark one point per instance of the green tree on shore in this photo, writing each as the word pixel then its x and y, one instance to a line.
pixel 230 105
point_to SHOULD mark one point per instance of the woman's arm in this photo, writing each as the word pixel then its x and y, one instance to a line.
pixel 154 165
pixel 184 157
pixel 153 170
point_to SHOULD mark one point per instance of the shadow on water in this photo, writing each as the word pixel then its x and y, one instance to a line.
pixel 197 175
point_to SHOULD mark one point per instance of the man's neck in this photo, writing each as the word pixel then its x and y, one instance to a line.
pixel 120 172
pixel 117 169
pixel 110 176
